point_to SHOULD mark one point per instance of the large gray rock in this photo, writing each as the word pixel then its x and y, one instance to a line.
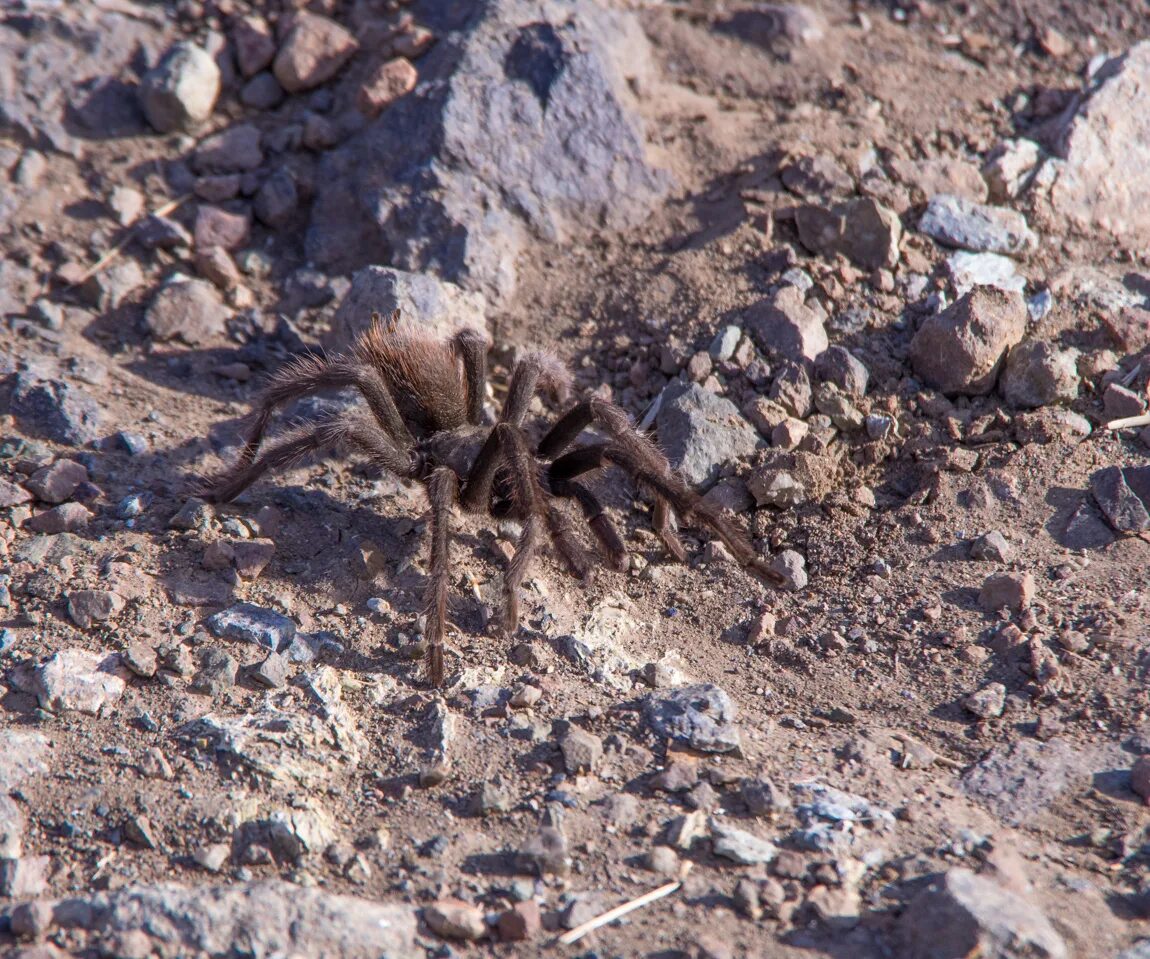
pixel 1018 781
pixel 960 350
pixel 422 299
pixel 701 432
pixel 1105 179
pixel 961 223
pixel 23 752
pixel 271 918
pixel 523 122
pixel 60 70
pixel 963 914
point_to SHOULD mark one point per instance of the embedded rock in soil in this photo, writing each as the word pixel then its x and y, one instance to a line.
pixel 79 680
pixel 960 223
pixel 23 753
pixel 968 270
pixel 252 624
pixel 785 325
pixel 546 853
pixel 1106 177
pixel 740 846
pixel 581 751
pixel 55 410
pixel 1038 374
pixel 234 150
pixel 65 518
pixel 701 432
pixel 254 45
pixel 424 302
pixel 1013 591
pixel 88 606
pixel 862 230
pixel 433 182
pixel 1119 402
pixel 269 918
pixel 792 567
pixel 1018 781
pixel 960 350
pixel 188 310
pixel 180 92
pixel 963 914
pixel 1009 169
pixel 988 702
pixel 1124 496
pixel 781 27
pixel 700 716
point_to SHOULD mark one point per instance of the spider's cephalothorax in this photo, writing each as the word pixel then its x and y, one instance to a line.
pixel 424 421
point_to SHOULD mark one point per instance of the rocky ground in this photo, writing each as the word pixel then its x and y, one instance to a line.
pixel 873 275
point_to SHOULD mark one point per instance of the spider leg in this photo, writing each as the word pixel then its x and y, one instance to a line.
pixel 532 371
pixel 644 461
pixel 442 490
pixel 471 346
pixel 560 477
pixel 529 507
pixel 293 445
pixel 313 373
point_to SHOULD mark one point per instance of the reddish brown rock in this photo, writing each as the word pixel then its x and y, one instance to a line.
pixel 386 84
pixel 216 226
pixel 314 51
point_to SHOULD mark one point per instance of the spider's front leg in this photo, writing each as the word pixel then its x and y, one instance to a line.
pixel 442 491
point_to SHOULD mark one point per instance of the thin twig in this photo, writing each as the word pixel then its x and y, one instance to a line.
pixel 1128 422
pixel 115 251
pixel 618 912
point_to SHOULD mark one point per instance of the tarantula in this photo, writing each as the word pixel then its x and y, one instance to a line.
pixel 425 421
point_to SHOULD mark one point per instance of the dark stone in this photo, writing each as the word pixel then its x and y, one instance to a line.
pixel 432 180
pixel 55 411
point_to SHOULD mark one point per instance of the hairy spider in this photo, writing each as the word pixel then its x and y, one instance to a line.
pixel 425 421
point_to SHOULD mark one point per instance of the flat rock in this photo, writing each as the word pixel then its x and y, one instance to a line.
pixel 432 180
pixel 700 716
pixel 701 432
pixel 89 606
pixel 862 230
pixel 968 270
pixel 740 846
pixel 76 679
pixel 963 914
pixel 423 300
pixel 961 349
pixel 24 753
pixel 189 310
pixel 55 410
pixel 1018 781
pixel 1105 178
pixel 957 222
pixel 270 918
pixel 234 150
pixel 252 624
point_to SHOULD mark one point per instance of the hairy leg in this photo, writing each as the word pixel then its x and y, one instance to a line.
pixel 533 371
pixel 471 346
pixel 359 435
pixel 442 489
pixel 312 374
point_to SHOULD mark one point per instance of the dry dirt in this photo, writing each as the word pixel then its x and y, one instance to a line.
pixel 872 657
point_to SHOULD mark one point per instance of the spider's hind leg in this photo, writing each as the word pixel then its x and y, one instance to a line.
pixel 442 491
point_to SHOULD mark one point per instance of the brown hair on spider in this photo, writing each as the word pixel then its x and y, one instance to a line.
pixel 424 420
